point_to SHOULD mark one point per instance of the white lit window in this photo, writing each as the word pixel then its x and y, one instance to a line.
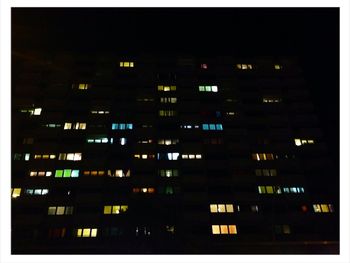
pixel 299 142
pixel 37 111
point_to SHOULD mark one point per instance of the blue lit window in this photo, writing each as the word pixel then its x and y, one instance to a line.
pixel 205 126
pixel 129 126
pixel 122 126
pixel 219 127
pixel 114 126
pixel 211 126
pixel 75 173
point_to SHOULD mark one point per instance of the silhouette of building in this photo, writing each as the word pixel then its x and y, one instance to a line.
pixel 159 153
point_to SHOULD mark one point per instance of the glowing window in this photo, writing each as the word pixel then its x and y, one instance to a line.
pixel 126 64
pixel 277 67
pixel 114 209
pixel 224 229
pixel 15 192
pixel 82 86
pixel 37 111
pixel 244 66
pixel 166 88
pixel 208 88
pixel 299 142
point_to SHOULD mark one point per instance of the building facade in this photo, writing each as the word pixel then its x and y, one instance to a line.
pixel 167 154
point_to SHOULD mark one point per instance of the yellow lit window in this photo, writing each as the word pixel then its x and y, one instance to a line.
pixel 215 229
pixel 229 208
pixel 94 232
pixel 79 232
pixel 221 208
pixel 116 209
pixel 324 208
pixel 16 192
pixel 86 232
pixel 278 67
pixel 51 210
pixel 60 210
pixel 83 86
pixel 269 189
pixel 126 64
pixel 213 208
pixel 107 209
pixel 297 142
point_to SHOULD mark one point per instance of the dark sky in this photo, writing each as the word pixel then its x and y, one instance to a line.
pixel 310 34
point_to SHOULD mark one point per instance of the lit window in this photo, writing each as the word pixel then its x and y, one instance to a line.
pixel 70 156
pixel 126 64
pixel 75 126
pixel 148 190
pixel 244 66
pixel 166 88
pixel 15 192
pixel 82 86
pixel 204 66
pixel 212 127
pixel 323 208
pixel 36 191
pixel 168 172
pixel 191 156
pixel 66 173
pixel 168 156
pixel 119 173
pixel 299 142
pixel 208 88
pixel 224 229
pixel 262 156
pixel 86 232
pixel 144 156
pixel 122 126
pixel 98 139
pixel 277 67
pixel 167 113
pixel 221 208
pixel 188 126
pixel 60 210
pixel 99 111
pixel 168 141
pixel 37 111
pixel 168 100
pixel 114 209
pixel 40 173
pixel 145 141
pixel 52 125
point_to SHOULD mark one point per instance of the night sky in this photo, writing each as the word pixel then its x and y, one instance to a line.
pixel 310 34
